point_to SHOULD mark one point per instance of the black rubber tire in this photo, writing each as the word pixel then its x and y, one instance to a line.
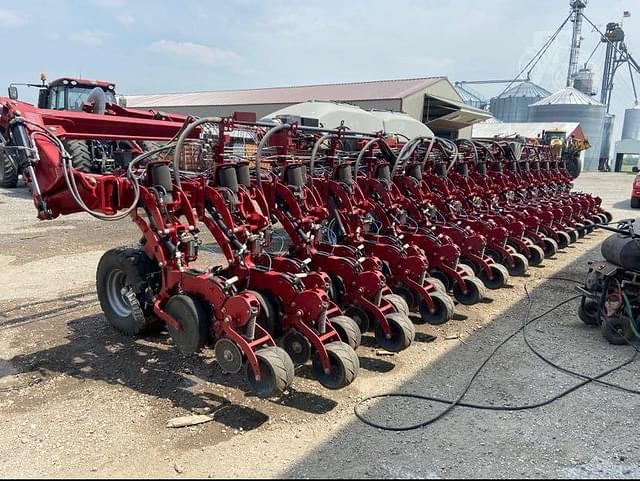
pixel 398 303
pixel 581 230
pixel 536 255
pixel 588 312
pixel 80 155
pixel 336 290
pixel 437 284
pixel 408 295
pixel 440 278
pixel 475 291
pixel 500 277
pixel 550 247
pixel 564 240
pixel 344 366
pixel 8 172
pixel 127 267
pixel 277 372
pixel 360 316
pixel 574 235
pixel 195 321
pixel 520 267
pixel 600 219
pixel 608 216
pixel 468 269
pixel 573 167
pixel 495 255
pixel 297 346
pixel 589 226
pixel 468 263
pixel 348 331
pixel 635 202
pixel 402 333
pixel 618 332
pixel 268 317
pixel 444 310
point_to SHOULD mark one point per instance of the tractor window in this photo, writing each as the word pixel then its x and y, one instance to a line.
pixel 56 98
pixel 78 95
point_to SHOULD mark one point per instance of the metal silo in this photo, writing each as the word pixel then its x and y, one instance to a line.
pixel 513 105
pixel 571 105
pixel 631 126
pixel 583 81
pixel 471 98
pixel 607 132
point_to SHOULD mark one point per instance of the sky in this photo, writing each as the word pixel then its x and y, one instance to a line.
pixel 160 46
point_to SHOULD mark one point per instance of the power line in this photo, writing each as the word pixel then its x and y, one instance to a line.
pixel 540 52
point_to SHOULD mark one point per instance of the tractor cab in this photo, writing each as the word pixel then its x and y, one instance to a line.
pixel 67 93
pixel 71 94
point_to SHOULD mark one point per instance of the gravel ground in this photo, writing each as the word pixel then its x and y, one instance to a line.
pixel 77 399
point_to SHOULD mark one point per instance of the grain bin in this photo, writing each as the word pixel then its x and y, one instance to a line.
pixel 513 104
pixel 631 126
pixel 571 105
pixel 607 132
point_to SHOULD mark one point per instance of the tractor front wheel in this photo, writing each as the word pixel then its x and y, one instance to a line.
pixel 80 153
pixel 8 171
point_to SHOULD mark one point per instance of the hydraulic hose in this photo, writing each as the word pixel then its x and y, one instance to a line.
pixel 261 146
pixel 181 139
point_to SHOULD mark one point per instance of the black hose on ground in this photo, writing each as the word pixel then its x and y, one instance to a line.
pixel 459 400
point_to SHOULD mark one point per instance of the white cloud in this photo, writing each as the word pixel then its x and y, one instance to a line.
pixel 9 18
pixel 91 38
pixel 194 51
pixel 126 19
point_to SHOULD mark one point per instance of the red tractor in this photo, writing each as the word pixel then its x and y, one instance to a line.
pixel 82 96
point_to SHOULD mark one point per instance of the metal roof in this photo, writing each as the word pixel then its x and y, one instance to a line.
pixel 525 89
pixel 524 129
pixel 567 96
pixel 374 90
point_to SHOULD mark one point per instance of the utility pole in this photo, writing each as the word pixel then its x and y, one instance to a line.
pixel 577 6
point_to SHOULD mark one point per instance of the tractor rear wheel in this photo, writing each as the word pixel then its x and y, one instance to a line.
pixel 8 171
pixel 123 277
pixel 80 155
